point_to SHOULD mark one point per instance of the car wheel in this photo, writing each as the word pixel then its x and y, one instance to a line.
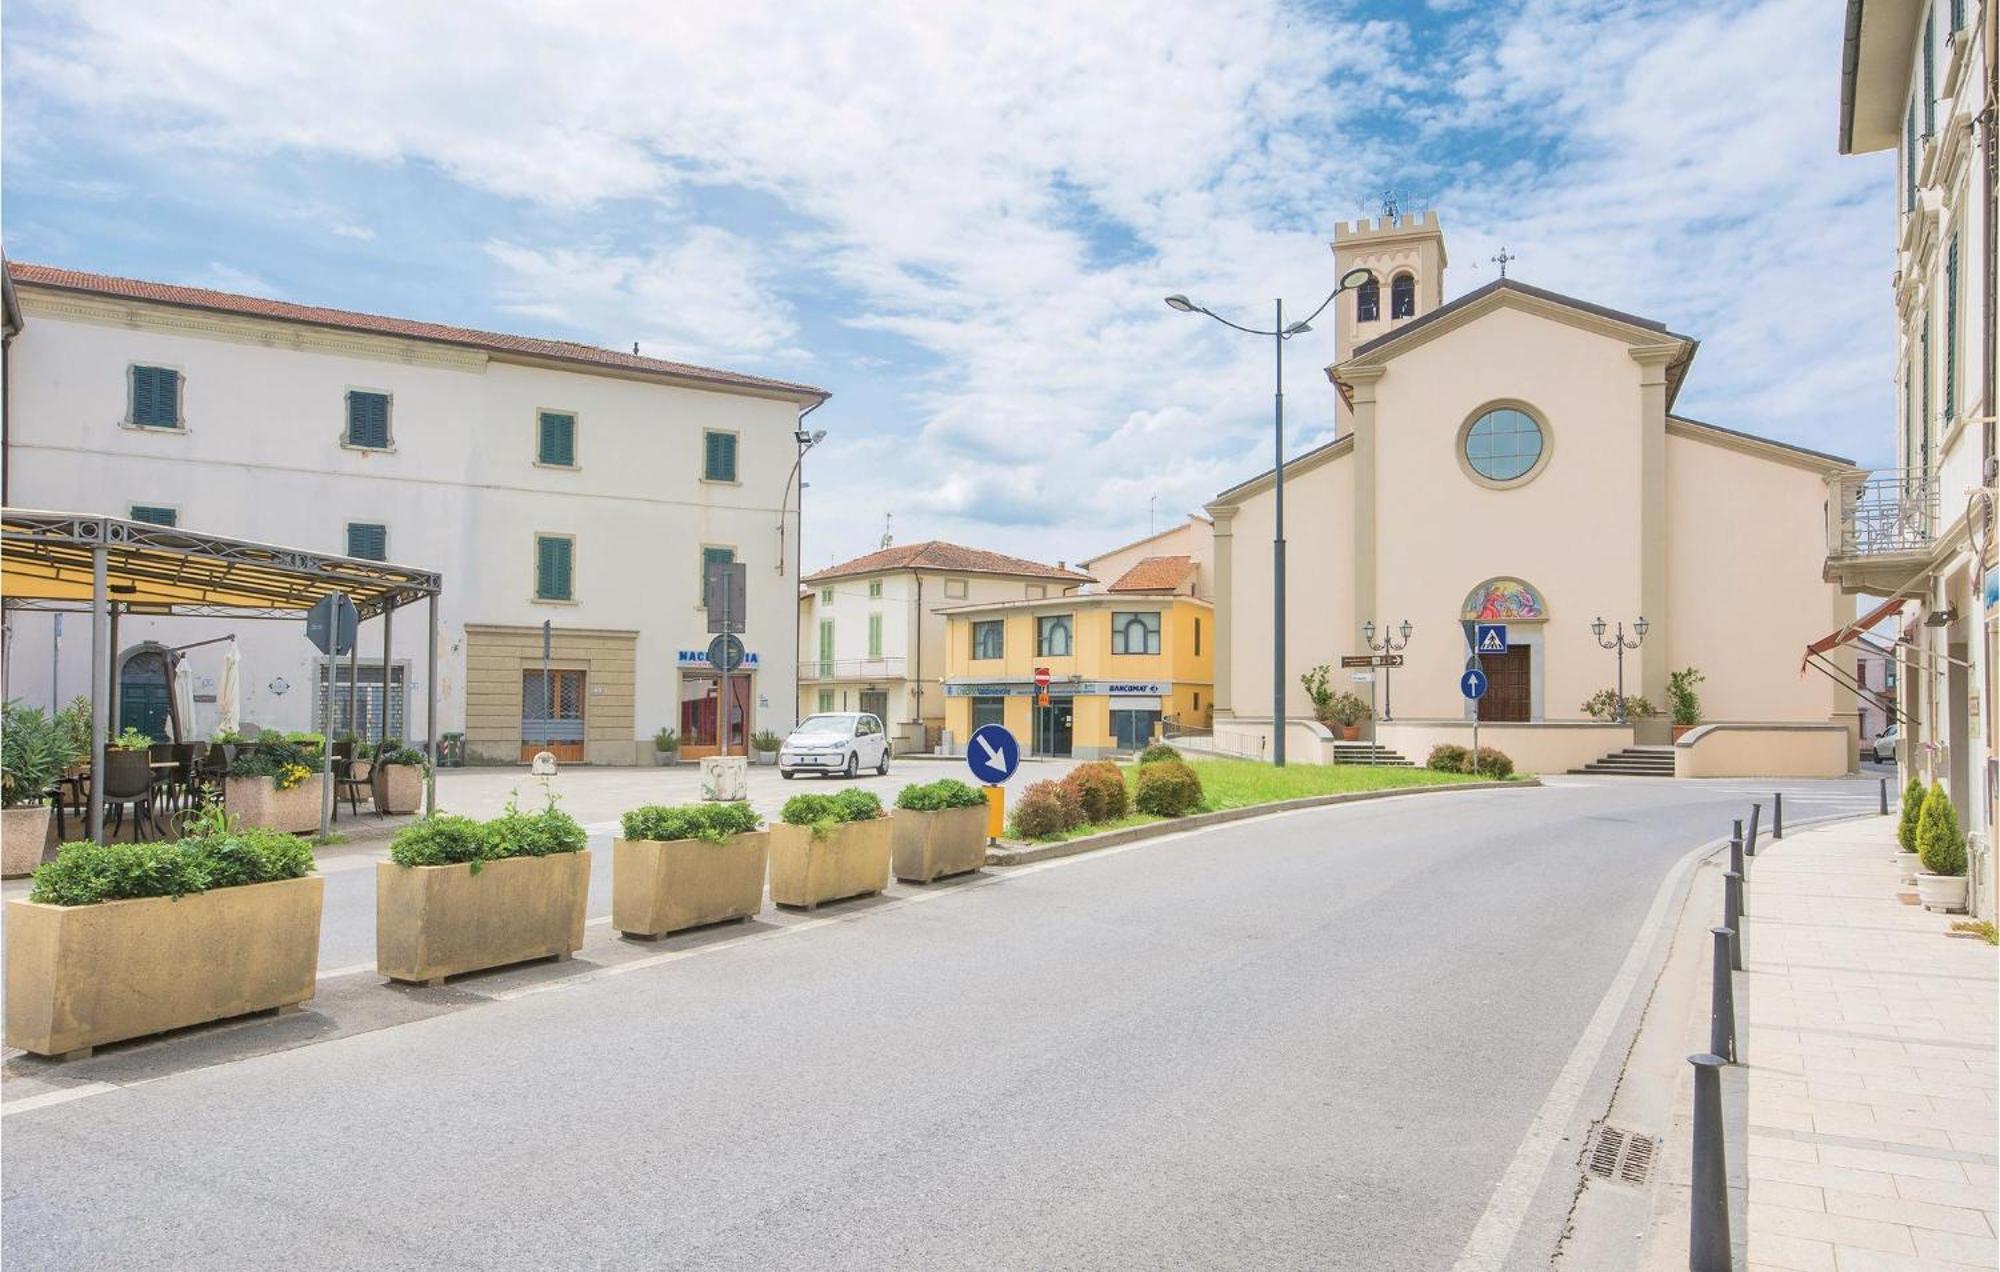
pixel 853 764
pixel 787 774
pixel 882 765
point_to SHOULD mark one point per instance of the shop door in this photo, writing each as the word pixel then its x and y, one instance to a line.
pixel 552 715
pixel 1055 727
pixel 702 714
pixel 1508 699
pixel 876 703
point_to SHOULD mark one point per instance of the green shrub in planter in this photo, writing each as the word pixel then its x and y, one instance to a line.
pixel 34 751
pixel 1167 789
pixel 398 753
pixel 442 839
pixel 274 758
pixel 1913 808
pixel 86 873
pixel 765 741
pixel 1940 846
pixel 823 812
pixel 714 823
pixel 538 834
pixel 1448 757
pixel 1157 752
pixel 936 797
pixel 1100 787
pixel 1045 809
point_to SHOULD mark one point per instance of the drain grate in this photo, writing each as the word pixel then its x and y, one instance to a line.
pixel 1619 1155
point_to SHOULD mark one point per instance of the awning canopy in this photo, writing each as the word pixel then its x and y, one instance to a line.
pixel 1859 627
pixel 47 560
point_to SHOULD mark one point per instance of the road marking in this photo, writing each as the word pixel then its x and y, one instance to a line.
pixel 27 1103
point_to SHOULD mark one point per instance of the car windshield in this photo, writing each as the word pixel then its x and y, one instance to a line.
pixel 826 724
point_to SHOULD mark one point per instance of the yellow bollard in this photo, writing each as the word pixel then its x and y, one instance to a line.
pixel 996 812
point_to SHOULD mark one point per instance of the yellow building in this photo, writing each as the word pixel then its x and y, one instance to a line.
pixel 1120 662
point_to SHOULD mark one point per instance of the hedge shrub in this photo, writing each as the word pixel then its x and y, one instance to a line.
pixel 1940 846
pixel 1913 808
pixel 1099 787
pixel 934 797
pixel 1494 763
pixel 1448 757
pixel 442 839
pixel 538 834
pixel 1157 753
pixel 714 823
pixel 1168 788
pixel 86 873
pixel 1046 809
pixel 821 811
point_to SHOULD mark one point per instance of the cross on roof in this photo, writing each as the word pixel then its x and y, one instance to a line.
pixel 1502 260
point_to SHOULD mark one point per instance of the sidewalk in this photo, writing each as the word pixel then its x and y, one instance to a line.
pixel 1871 1055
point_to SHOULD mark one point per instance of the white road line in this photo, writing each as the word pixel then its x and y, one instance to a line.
pixel 28 1103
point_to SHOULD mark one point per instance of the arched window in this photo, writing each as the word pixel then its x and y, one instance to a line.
pixel 1403 296
pixel 1368 301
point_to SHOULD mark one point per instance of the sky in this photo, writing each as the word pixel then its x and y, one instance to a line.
pixel 962 218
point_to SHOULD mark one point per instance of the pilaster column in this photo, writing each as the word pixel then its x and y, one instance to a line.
pixel 1225 603
pixel 1362 380
pixel 1653 361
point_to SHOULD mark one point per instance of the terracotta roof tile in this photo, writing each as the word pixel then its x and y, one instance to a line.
pixel 950 558
pixel 347 320
pixel 1155 574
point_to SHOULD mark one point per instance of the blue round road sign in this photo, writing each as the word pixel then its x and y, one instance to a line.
pixel 1473 683
pixel 992 754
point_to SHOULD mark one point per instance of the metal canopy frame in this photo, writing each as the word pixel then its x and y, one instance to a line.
pixel 105 566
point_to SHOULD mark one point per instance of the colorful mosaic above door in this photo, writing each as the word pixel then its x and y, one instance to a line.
pixel 1505 600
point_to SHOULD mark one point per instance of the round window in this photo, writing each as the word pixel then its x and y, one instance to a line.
pixel 1504 444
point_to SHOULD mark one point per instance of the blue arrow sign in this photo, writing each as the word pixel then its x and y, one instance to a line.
pixel 992 754
pixel 1490 638
pixel 1473 684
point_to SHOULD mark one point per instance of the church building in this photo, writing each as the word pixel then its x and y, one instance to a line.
pixel 1514 457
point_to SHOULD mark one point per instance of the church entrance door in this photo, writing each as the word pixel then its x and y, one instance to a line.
pixel 1508 697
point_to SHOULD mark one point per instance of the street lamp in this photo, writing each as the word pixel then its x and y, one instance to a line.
pixel 1619 643
pixel 1389 645
pixel 1279 333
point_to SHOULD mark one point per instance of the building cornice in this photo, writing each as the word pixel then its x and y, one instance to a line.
pixel 1760 447
pixel 1222 505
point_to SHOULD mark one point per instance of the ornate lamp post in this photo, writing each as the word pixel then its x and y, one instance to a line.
pixel 1279 333
pixel 1389 645
pixel 1619 643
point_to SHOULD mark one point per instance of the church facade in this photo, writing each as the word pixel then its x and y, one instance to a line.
pixel 1514 457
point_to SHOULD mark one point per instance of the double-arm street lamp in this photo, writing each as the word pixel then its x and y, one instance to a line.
pixel 1279 333
pixel 1389 645
pixel 1621 644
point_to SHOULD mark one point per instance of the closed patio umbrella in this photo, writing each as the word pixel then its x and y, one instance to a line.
pixel 229 692
pixel 184 698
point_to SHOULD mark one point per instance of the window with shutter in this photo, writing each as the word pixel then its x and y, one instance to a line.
pixel 554 568
pixel 367 420
pixel 155 514
pixel 156 397
pixel 1930 73
pixel 1910 160
pixel 556 444
pixel 368 541
pixel 874 635
pixel 718 456
pixel 1924 370
pixel 1951 331
pixel 710 556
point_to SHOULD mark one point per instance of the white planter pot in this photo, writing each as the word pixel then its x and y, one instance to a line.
pixel 1907 867
pixel 665 759
pixel 1944 893
pixel 765 759
pixel 24 832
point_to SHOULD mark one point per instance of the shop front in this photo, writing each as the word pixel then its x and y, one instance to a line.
pixel 712 712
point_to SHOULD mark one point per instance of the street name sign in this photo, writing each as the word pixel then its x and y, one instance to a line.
pixel 1473 683
pixel 992 754
pixel 1362 677
pixel 330 624
pixel 1490 638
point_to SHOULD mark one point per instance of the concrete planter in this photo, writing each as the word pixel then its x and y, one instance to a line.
pixel 1907 866
pixel 398 788
pixel 666 759
pixel 765 759
pixel 852 861
pixel 659 886
pixel 24 832
pixel 929 846
pixel 1945 893
pixel 437 921
pixel 83 975
pixel 257 801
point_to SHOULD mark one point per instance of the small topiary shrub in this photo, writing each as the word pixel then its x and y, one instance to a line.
pixel 1157 752
pixel 1099 787
pixel 1448 757
pixel 1940 846
pixel 1045 810
pixel 935 797
pixel 1913 808
pixel 857 805
pixel 1493 763
pixel 714 823
pixel 1167 789
pixel 442 839
pixel 823 812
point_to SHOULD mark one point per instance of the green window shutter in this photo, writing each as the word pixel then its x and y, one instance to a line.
pixel 1910 160
pixel 153 514
pixel 1924 371
pixel 156 397
pixel 1930 73
pixel 557 439
pixel 1958 15
pixel 874 635
pixel 719 456
pixel 1951 330
pixel 367 541
pixel 368 419
pixel 553 569
pixel 826 640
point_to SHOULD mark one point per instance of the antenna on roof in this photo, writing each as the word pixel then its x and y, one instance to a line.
pixel 888 528
pixel 1150 501
pixel 635 348
pixel 1391 203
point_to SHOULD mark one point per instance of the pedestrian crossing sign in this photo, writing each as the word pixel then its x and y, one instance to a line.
pixel 1490 638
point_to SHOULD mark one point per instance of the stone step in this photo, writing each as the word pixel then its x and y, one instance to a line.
pixel 1368 753
pixel 1633 761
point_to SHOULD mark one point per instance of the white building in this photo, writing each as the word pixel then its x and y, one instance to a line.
pixel 546 481
pixel 875 628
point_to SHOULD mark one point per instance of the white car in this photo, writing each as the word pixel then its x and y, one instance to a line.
pixel 1885 744
pixel 835 742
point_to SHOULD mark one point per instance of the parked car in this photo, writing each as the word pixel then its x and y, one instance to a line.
pixel 835 742
pixel 1884 746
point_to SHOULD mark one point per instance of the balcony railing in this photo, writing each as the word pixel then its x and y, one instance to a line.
pixel 853 669
pixel 1890 510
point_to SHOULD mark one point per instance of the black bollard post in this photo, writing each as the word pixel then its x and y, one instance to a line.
pixel 1882 793
pixel 1750 844
pixel 1721 998
pixel 1732 917
pixel 1708 1209
pixel 1778 816
pixel 1736 848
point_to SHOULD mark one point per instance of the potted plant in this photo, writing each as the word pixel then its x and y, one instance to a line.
pixel 666 748
pixel 828 847
pixel 130 738
pixel 686 866
pixel 1347 710
pixel 34 754
pixel 273 784
pixel 228 740
pixel 1682 701
pixel 457 895
pixel 1603 705
pixel 1941 882
pixel 99 950
pixel 766 743
pixel 939 829
pixel 398 778
pixel 1907 861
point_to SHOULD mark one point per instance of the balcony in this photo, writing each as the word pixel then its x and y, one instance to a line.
pixel 1881 527
pixel 847 669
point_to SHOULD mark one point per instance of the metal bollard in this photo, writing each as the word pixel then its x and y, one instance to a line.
pixel 1736 848
pixel 1777 816
pixel 1708 1208
pixel 1732 917
pixel 1721 998
pixel 1882 789
pixel 1750 844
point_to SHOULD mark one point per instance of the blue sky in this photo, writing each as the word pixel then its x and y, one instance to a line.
pixel 961 219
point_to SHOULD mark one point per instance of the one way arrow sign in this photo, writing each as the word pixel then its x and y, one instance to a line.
pixel 1490 638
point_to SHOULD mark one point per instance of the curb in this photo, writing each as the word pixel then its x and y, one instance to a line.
pixel 1012 856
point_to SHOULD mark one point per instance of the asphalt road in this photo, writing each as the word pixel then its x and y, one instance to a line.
pixel 1315 1040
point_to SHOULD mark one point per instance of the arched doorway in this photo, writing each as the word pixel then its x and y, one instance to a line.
pixel 146 692
pixel 1514 675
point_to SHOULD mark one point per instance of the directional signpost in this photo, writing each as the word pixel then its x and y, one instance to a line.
pixel 993 755
pixel 1473 685
pixel 1489 638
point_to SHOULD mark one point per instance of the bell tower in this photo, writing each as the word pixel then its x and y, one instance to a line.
pixel 1407 254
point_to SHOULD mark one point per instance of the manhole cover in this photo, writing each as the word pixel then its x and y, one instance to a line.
pixel 1621 1156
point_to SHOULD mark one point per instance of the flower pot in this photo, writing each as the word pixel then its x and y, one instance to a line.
pixel 398 788
pixel 257 801
pixel 437 921
pixel 1944 893
pixel 1350 732
pixel 662 759
pixel 24 832
pixel 1907 866
pixel 83 975
pixel 1679 731
pixel 851 861
pixel 931 845
pixel 766 759
pixel 662 886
